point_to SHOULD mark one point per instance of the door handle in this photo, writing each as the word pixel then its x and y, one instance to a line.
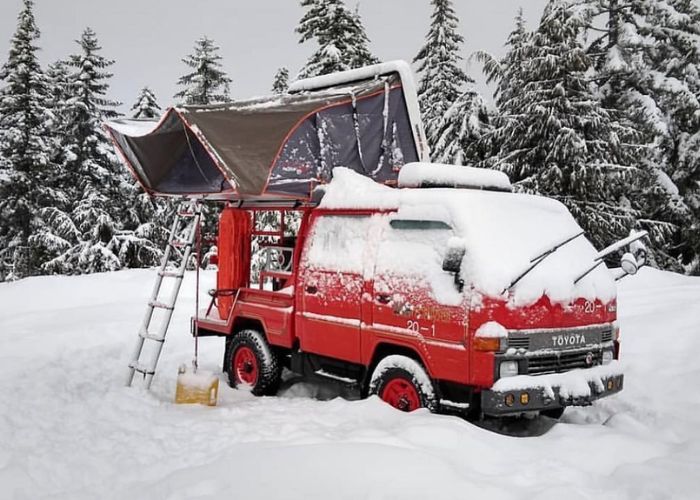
pixel 311 289
pixel 383 298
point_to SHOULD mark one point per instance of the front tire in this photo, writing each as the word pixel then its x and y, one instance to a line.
pixel 251 362
pixel 403 383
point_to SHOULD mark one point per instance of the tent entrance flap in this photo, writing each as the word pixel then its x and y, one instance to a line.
pixel 170 159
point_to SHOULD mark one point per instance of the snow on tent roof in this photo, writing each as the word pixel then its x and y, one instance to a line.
pixel 280 146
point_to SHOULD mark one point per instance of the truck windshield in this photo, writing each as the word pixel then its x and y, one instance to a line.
pixel 504 232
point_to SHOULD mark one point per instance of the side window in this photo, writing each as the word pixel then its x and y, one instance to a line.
pixel 410 257
pixel 337 243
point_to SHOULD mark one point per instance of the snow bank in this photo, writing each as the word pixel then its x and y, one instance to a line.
pixel 70 430
pixel 503 233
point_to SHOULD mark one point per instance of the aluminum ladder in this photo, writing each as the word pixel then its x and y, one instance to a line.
pixel 187 221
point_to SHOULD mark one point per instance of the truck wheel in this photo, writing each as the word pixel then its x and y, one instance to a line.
pixel 250 362
pixel 403 383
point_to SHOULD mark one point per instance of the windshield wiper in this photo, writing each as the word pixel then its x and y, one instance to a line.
pixel 608 250
pixel 535 261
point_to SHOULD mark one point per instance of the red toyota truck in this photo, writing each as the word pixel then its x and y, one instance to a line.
pixel 428 285
pixel 452 294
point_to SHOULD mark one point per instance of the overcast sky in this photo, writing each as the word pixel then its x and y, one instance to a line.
pixel 148 38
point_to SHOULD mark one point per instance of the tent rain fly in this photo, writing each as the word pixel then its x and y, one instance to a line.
pixel 280 147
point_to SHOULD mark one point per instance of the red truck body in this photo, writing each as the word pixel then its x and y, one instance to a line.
pixel 340 323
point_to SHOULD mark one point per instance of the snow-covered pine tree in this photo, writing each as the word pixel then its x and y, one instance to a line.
pixel 506 72
pixel 281 83
pixel 208 82
pixel 339 34
pixel 26 143
pixel 558 140
pixel 441 77
pixel 61 92
pixel 89 232
pixel 647 62
pixel 146 105
pixel 463 132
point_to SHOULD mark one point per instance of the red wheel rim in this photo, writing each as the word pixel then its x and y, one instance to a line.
pixel 245 366
pixel 401 394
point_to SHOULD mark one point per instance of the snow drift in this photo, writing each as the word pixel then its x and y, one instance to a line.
pixel 70 430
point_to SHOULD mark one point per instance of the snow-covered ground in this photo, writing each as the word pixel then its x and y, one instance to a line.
pixel 70 429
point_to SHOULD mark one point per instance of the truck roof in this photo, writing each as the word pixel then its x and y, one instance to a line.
pixel 502 233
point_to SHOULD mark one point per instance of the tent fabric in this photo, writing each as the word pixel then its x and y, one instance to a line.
pixel 274 147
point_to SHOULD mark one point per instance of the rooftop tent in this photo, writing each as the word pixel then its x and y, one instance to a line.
pixel 280 146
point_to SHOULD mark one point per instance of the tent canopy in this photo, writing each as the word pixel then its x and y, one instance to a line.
pixel 282 146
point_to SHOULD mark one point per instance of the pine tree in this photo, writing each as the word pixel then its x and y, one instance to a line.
pixel 25 146
pixel 146 105
pixel 647 64
pixel 558 140
pixel 463 131
pixel 281 83
pixel 442 78
pixel 90 235
pixel 207 83
pixel 340 36
pixel 506 73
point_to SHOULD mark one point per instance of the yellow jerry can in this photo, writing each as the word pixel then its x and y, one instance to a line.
pixel 195 386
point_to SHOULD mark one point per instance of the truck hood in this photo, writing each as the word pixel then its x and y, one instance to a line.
pixel 541 314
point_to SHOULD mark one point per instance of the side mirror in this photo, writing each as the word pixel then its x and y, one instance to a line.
pixel 639 250
pixel 452 262
pixel 629 264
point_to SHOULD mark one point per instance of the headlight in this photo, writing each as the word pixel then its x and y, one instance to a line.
pixel 508 369
pixel 607 357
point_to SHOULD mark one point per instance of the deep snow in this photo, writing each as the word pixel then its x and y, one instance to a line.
pixel 69 429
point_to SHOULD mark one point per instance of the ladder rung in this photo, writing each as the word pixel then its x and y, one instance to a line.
pixel 171 274
pixel 180 243
pixel 160 305
pixel 149 336
pixel 257 232
pixel 186 213
pixel 142 369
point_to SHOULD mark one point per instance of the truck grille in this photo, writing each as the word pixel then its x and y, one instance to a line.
pixel 562 361
pixel 519 342
pixel 606 336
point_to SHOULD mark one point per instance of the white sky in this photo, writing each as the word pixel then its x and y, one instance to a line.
pixel 148 38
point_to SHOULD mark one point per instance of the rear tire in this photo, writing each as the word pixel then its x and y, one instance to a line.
pixel 403 383
pixel 251 362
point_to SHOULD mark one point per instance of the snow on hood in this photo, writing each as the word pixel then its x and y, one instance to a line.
pixel 502 231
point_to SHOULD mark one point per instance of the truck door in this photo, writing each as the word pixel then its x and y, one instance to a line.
pixel 413 299
pixel 330 286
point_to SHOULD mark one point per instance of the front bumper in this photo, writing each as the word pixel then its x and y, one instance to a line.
pixel 527 393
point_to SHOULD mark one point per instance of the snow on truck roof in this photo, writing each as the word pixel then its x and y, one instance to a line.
pixel 281 146
pixel 456 176
pixel 502 233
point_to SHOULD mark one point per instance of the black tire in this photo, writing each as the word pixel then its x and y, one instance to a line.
pixel 408 374
pixel 554 413
pixel 266 362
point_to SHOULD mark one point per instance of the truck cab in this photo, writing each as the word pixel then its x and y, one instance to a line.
pixel 424 295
